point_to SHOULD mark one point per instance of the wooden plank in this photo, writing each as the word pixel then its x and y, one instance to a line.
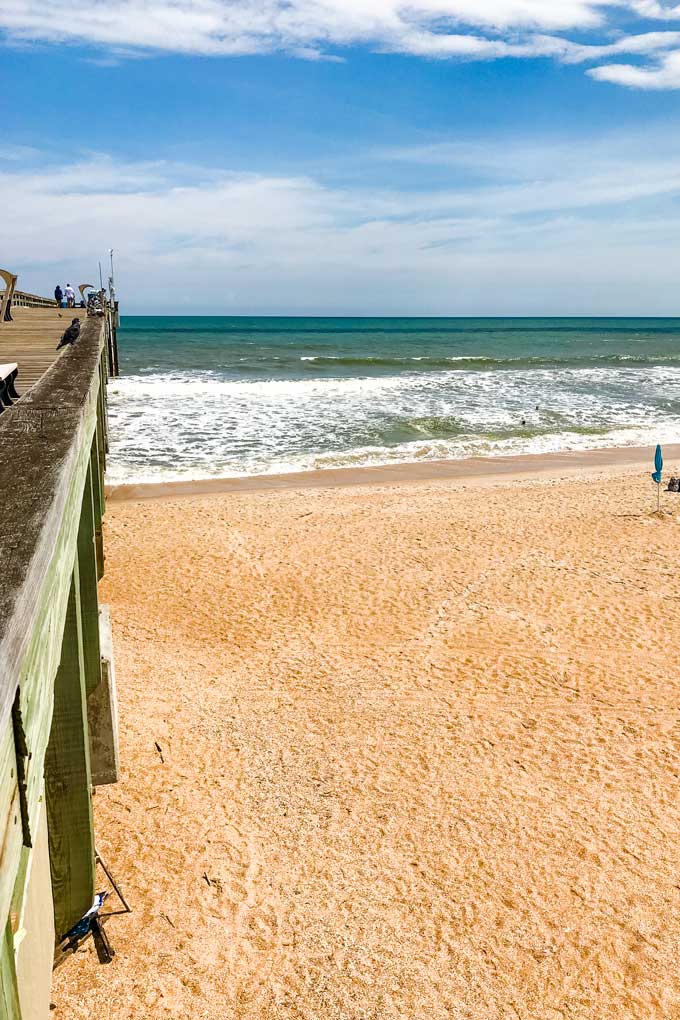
pixel 37 671
pixel 104 415
pixel 33 929
pixel 102 457
pixel 97 489
pixel 9 997
pixel 102 712
pixel 44 453
pixel 31 340
pixel 68 780
pixel 89 601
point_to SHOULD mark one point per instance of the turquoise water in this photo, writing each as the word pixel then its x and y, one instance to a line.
pixel 204 396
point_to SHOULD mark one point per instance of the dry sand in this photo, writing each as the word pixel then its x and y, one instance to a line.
pixel 420 753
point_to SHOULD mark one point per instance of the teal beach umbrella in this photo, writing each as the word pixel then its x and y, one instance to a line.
pixel 656 475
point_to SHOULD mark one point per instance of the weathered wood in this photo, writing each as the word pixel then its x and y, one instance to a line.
pixel 39 666
pixel 33 928
pixel 41 501
pixel 52 456
pixel 104 414
pixel 98 507
pixel 89 602
pixel 101 451
pixel 9 998
pixel 31 340
pixel 102 712
pixel 68 781
pixel 115 324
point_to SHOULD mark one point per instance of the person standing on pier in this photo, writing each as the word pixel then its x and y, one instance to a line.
pixel 58 295
pixel 70 296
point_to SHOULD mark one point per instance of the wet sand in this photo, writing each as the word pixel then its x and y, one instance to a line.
pixel 419 754
pixel 478 469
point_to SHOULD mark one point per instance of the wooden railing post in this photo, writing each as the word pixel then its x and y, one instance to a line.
pixel 89 575
pixel 104 411
pixel 68 778
pixel 98 507
pixel 9 994
pixel 115 323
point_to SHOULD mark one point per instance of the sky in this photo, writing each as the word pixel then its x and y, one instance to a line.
pixel 436 157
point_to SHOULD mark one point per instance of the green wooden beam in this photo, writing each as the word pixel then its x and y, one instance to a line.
pixel 101 440
pixel 39 666
pixel 88 574
pixel 98 508
pixel 9 995
pixel 103 377
pixel 67 779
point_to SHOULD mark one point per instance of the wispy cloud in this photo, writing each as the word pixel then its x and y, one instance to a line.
pixel 314 29
pixel 17 153
pixel 664 73
pixel 567 234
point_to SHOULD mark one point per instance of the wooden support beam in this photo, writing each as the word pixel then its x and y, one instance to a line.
pixel 68 781
pixel 101 452
pixel 102 397
pixel 9 995
pixel 33 927
pixel 115 322
pixel 88 573
pixel 102 712
pixel 98 507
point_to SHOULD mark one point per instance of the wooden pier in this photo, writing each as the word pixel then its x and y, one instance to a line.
pixel 31 340
pixel 57 690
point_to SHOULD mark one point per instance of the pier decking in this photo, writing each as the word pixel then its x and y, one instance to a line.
pixel 31 340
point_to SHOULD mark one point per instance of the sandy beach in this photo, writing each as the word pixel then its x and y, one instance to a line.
pixel 401 750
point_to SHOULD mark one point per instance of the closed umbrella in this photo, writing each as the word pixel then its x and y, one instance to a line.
pixel 656 475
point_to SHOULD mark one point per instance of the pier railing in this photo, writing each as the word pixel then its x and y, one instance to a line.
pixel 20 299
pixel 57 706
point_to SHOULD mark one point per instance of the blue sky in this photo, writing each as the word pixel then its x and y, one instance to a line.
pixel 447 157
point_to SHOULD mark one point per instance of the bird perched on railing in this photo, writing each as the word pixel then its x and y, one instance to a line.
pixel 70 335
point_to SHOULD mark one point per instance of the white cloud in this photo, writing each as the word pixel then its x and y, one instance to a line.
pixel 245 26
pixel 664 74
pixel 466 29
pixel 583 227
pixel 656 10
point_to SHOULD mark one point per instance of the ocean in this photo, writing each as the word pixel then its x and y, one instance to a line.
pixel 202 397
